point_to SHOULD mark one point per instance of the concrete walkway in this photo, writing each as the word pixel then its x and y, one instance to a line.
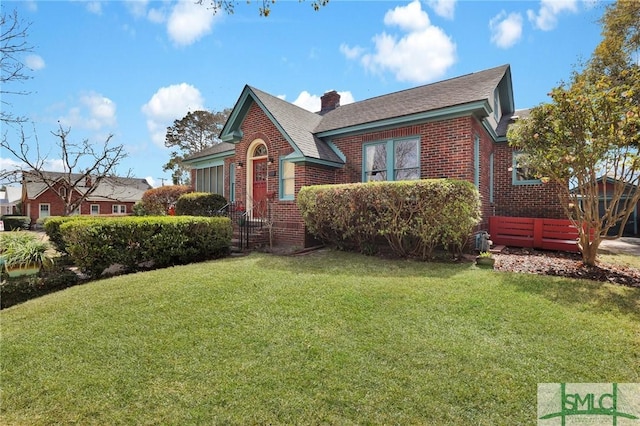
pixel 624 245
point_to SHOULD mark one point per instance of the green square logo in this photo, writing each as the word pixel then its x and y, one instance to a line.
pixel 565 404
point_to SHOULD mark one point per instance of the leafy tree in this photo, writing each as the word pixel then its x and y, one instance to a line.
pixel 196 131
pixel 228 6
pixel 13 44
pixel 589 133
pixel 157 201
pixel 86 165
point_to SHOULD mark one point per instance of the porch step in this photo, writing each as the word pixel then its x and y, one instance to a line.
pixel 497 249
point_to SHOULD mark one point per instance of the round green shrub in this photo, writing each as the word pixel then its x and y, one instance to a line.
pixel 200 204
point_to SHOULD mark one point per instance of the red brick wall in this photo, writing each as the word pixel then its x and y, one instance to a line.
pixel 446 150
pixel 288 228
pixel 539 200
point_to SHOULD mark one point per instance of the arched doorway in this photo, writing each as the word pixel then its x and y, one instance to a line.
pixel 257 178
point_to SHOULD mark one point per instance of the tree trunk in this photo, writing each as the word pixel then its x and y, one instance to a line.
pixel 589 248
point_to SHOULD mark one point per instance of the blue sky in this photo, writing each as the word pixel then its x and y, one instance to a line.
pixel 130 68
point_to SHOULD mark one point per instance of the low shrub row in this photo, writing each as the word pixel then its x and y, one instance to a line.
pixel 414 217
pixel 142 242
pixel 15 223
pixel 52 226
pixel 21 289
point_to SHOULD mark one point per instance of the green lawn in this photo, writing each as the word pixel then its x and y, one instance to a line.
pixel 330 337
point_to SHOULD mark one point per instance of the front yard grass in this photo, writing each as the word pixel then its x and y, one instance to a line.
pixel 326 338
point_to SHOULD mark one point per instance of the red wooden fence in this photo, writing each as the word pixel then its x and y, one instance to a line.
pixel 547 234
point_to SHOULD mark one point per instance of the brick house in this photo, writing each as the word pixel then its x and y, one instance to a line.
pixel 113 195
pixel 454 128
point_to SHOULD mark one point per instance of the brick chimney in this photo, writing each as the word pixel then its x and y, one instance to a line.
pixel 329 101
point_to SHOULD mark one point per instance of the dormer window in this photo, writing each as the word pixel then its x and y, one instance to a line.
pixel 496 105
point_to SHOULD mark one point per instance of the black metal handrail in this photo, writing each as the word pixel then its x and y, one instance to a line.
pixel 244 219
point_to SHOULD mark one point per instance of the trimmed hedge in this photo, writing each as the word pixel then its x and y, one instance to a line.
pixel 52 229
pixel 414 217
pixel 16 223
pixel 200 204
pixel 141 242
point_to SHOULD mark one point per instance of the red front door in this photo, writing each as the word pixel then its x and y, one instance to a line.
pixel 260 187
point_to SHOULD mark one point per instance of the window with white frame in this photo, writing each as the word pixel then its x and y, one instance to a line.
pixel 397 159
pixel 522 172
pixel 287 180
pixel 232 182
pixel 119 209
pixel 95 209
pixel 44 210
pixel 210 179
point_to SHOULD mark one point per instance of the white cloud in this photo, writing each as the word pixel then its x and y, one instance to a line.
pixel 151 181
pixel 32 5
pixel 351 52
pixel 506 30
pixel 93 112
pixel 35 62
pixel 547 17
pixel 189 22
pixel 312 102
pixel 138 8
pixel 157 16
pixel 308 101
pixel 168 104
pixel 9 164
pixel 53 165
pixel 444 8
pixel 95 7
pixel 423 53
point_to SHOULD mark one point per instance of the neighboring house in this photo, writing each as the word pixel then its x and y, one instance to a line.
pixel 113 195
pixel 606 189
pixel 450 129
pixel 9 199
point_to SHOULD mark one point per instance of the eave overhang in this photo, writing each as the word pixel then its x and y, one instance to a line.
pixel 480 109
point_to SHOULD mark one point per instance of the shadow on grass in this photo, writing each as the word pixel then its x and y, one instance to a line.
pixel 597 296
pixel 327 261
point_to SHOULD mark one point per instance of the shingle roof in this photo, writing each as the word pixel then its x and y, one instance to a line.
pixel 299 125
pixel 305 129
pixel 111 188
pixel 455 91
pixel 218 148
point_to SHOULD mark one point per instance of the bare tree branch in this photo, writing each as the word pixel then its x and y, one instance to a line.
pixel 85 167
pixel 13 44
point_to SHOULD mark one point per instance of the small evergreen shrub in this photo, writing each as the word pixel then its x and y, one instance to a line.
pixel 200 204
pixel 16 223
pixel 413 217
pixel 137 242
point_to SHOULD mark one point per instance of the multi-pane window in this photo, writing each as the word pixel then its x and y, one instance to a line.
pixel 392 160
pixel 287 180
pixel 210 179
pixel 232 182
pixel 95 209
pixel 523 173
pixel 119 209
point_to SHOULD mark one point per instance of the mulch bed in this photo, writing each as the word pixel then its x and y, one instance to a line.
pixel 564 265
